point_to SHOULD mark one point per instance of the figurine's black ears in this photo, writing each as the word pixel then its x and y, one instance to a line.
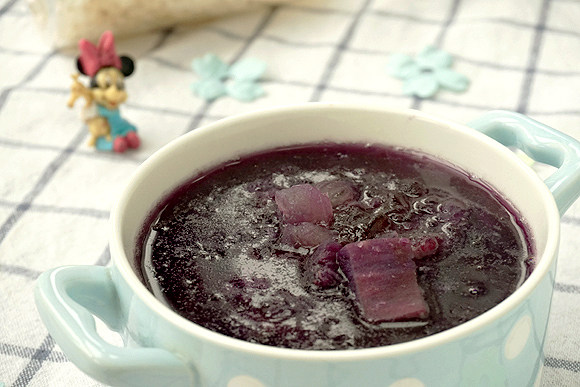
pixel 127 66
pixel 80 66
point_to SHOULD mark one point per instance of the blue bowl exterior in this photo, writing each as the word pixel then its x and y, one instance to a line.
pixel 504 349
pixel 542 143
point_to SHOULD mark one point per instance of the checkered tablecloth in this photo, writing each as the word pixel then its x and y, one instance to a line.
pixel 56 192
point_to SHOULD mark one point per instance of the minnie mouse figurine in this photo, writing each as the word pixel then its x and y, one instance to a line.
pixel 106 91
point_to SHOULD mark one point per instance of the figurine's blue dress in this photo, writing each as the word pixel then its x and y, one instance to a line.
pixel 119 127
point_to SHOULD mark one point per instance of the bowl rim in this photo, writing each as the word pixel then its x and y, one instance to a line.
pixel 122 263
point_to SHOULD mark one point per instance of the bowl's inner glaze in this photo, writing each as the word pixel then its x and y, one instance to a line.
pixel 219 252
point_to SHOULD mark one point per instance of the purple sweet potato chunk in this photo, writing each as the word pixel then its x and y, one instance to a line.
pixel 382 274
pixel 303 203
pixel 321 268
pixel 305 235
pixel 339 192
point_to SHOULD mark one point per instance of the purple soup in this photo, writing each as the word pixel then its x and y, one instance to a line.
pixel 333 246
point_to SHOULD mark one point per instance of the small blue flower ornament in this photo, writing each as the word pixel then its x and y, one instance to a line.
pixel 218 79
pixel 428 72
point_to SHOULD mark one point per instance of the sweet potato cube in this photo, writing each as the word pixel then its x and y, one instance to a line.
pixel 382 274
pixel 304 203
pixel 305 235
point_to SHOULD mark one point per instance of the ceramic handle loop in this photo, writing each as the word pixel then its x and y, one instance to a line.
pixel 67 298
pixel 541 143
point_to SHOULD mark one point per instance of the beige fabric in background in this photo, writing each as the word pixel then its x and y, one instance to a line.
pixel 64 22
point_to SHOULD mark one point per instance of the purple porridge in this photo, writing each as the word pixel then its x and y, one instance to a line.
pixel 334 246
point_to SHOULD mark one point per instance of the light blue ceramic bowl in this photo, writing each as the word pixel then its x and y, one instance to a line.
pixel 501 347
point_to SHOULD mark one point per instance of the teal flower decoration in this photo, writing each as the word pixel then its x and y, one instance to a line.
pixel 218 79
pixel 428 72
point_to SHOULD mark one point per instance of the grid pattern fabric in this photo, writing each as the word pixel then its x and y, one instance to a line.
pixel 56 191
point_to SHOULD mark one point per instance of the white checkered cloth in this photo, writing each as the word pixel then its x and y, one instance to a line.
pixel 56 192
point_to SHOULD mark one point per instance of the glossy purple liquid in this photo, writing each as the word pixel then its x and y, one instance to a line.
pixel 213 252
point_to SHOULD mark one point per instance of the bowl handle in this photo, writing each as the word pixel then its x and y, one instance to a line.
pixel 68 298
pixel 541 143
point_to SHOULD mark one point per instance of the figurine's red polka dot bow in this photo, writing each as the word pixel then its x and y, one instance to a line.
pixel 93 58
